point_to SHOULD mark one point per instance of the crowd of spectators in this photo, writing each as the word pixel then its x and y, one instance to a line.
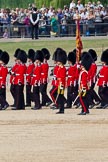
pixel 93 19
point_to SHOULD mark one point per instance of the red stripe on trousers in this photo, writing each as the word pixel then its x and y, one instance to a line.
pixel 52 94
pixel 83 105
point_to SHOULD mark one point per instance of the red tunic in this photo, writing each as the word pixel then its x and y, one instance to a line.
pixel 19 74
pixel 3 75
pixel 29 72
pixel 92 73
pixel 103 76
pixel 83 80
pixel 54 81
pixel 72 71
pixel 44 74
pixel 13 70
pixel 36 79
pixel 61 76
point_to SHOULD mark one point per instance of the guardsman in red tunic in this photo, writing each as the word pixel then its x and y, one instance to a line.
pixel 46 101
pixel 12 77
pixel 71 79
pixel 89 96
pixel 103 80
pixel 83 83
pixel 29 72
pixel 53 91
pixel 36 79
pixel 78 65
pixel 92 78
pixel 19 81
pixel 61 79
pixel 5 87
pixel 4 59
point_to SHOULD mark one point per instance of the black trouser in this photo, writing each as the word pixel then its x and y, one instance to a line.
pixel 84 103
pixel 89 98
pixel 76 94
pixel 43 90
pixel 34 31
pixel 93 94
pixel 53 93
pixel 4 93
pixel 36 96
pixel 28 94
pixel 19 97
pixel 3 101
pixel 60 102
pixel 12 90
pixel 71 94
pixel 103 93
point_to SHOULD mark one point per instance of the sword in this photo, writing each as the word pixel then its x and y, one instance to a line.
pixel 56 99
pixel 59 91
pixel 75 100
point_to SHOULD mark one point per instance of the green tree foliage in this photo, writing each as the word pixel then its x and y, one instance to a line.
pixel 61 3
pixel 15 3
pixel 39 3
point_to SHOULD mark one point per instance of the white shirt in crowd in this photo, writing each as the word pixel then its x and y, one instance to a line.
pixel 72 5
pixel 80 6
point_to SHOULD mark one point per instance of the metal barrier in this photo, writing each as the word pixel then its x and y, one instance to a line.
pixel 23 31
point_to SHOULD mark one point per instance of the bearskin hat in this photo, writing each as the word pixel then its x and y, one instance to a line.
pixel 4 56
pixel 61 56
pixel 86 60
pixel 93 54
pixel 74 50
pixel 72 57
pixel 55 54
pixel 22 56
pixel 46 53
pixel 104 56
pixel 39 56
pixel 1 51
pixel 83 54
pixel 16 52
pixel 31 54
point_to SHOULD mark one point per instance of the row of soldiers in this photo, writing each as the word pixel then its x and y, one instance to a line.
pixel 80 79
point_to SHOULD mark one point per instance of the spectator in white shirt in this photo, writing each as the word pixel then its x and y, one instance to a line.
pixel 50 12
pixel 72 4
pixel 79 5
pixel 83 14
pixel 2 13
pixel 99 4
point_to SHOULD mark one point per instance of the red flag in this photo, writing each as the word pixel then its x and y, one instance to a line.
pixel 79 45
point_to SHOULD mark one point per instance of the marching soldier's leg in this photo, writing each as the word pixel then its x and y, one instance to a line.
pixel 19 98
pixel 28 95
pixel 22 96
pixel 90 100
pixel 3 102
pixel 36 98
pixel 46 101
pixel 84 104
pixel 53 93
pixel 77 103
pixel 103 93
pixel 61 101
pixel 69 97
pixel 12 90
